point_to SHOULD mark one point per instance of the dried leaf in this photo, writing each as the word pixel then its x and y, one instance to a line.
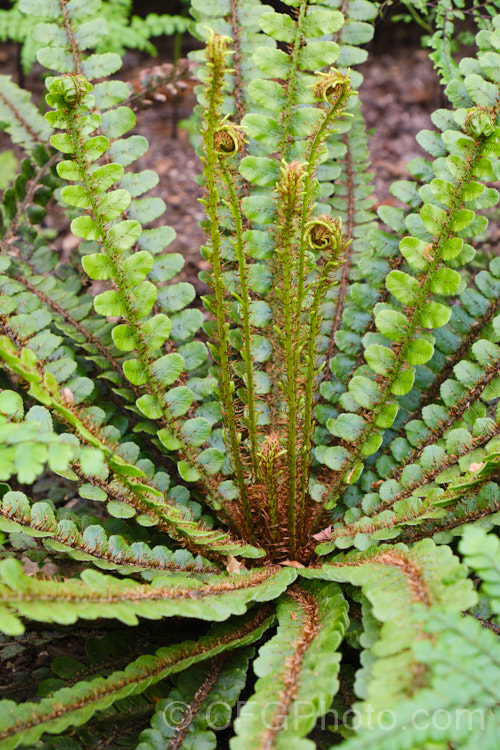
pixel 427 252
pixel 67 395
pixel 323 536
pixel 234 566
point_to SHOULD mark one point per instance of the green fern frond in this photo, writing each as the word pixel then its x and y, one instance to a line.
pixel 311 623
pixel 23 121
pixel 482 553
pixel 74 706
pixel 96 595
pixel 207 692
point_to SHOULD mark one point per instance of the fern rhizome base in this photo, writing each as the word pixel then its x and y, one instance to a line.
pixel 306 469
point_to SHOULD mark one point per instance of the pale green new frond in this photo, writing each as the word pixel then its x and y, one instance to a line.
pixel 311 623
pixel 97 595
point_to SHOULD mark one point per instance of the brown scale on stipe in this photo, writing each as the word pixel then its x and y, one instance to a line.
pixel 268 496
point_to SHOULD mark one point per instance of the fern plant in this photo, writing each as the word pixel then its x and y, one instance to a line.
pixel 293 463
pixel 117 30
pixel 438 20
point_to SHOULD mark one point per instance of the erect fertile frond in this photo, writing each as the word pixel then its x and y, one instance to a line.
pixel 243 28
pixel 279 278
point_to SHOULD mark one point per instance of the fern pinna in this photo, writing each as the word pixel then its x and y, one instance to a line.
pixel 310 462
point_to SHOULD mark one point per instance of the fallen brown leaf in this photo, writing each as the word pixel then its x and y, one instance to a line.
pixel 323 536
pixel 234 566
pixel 427 252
